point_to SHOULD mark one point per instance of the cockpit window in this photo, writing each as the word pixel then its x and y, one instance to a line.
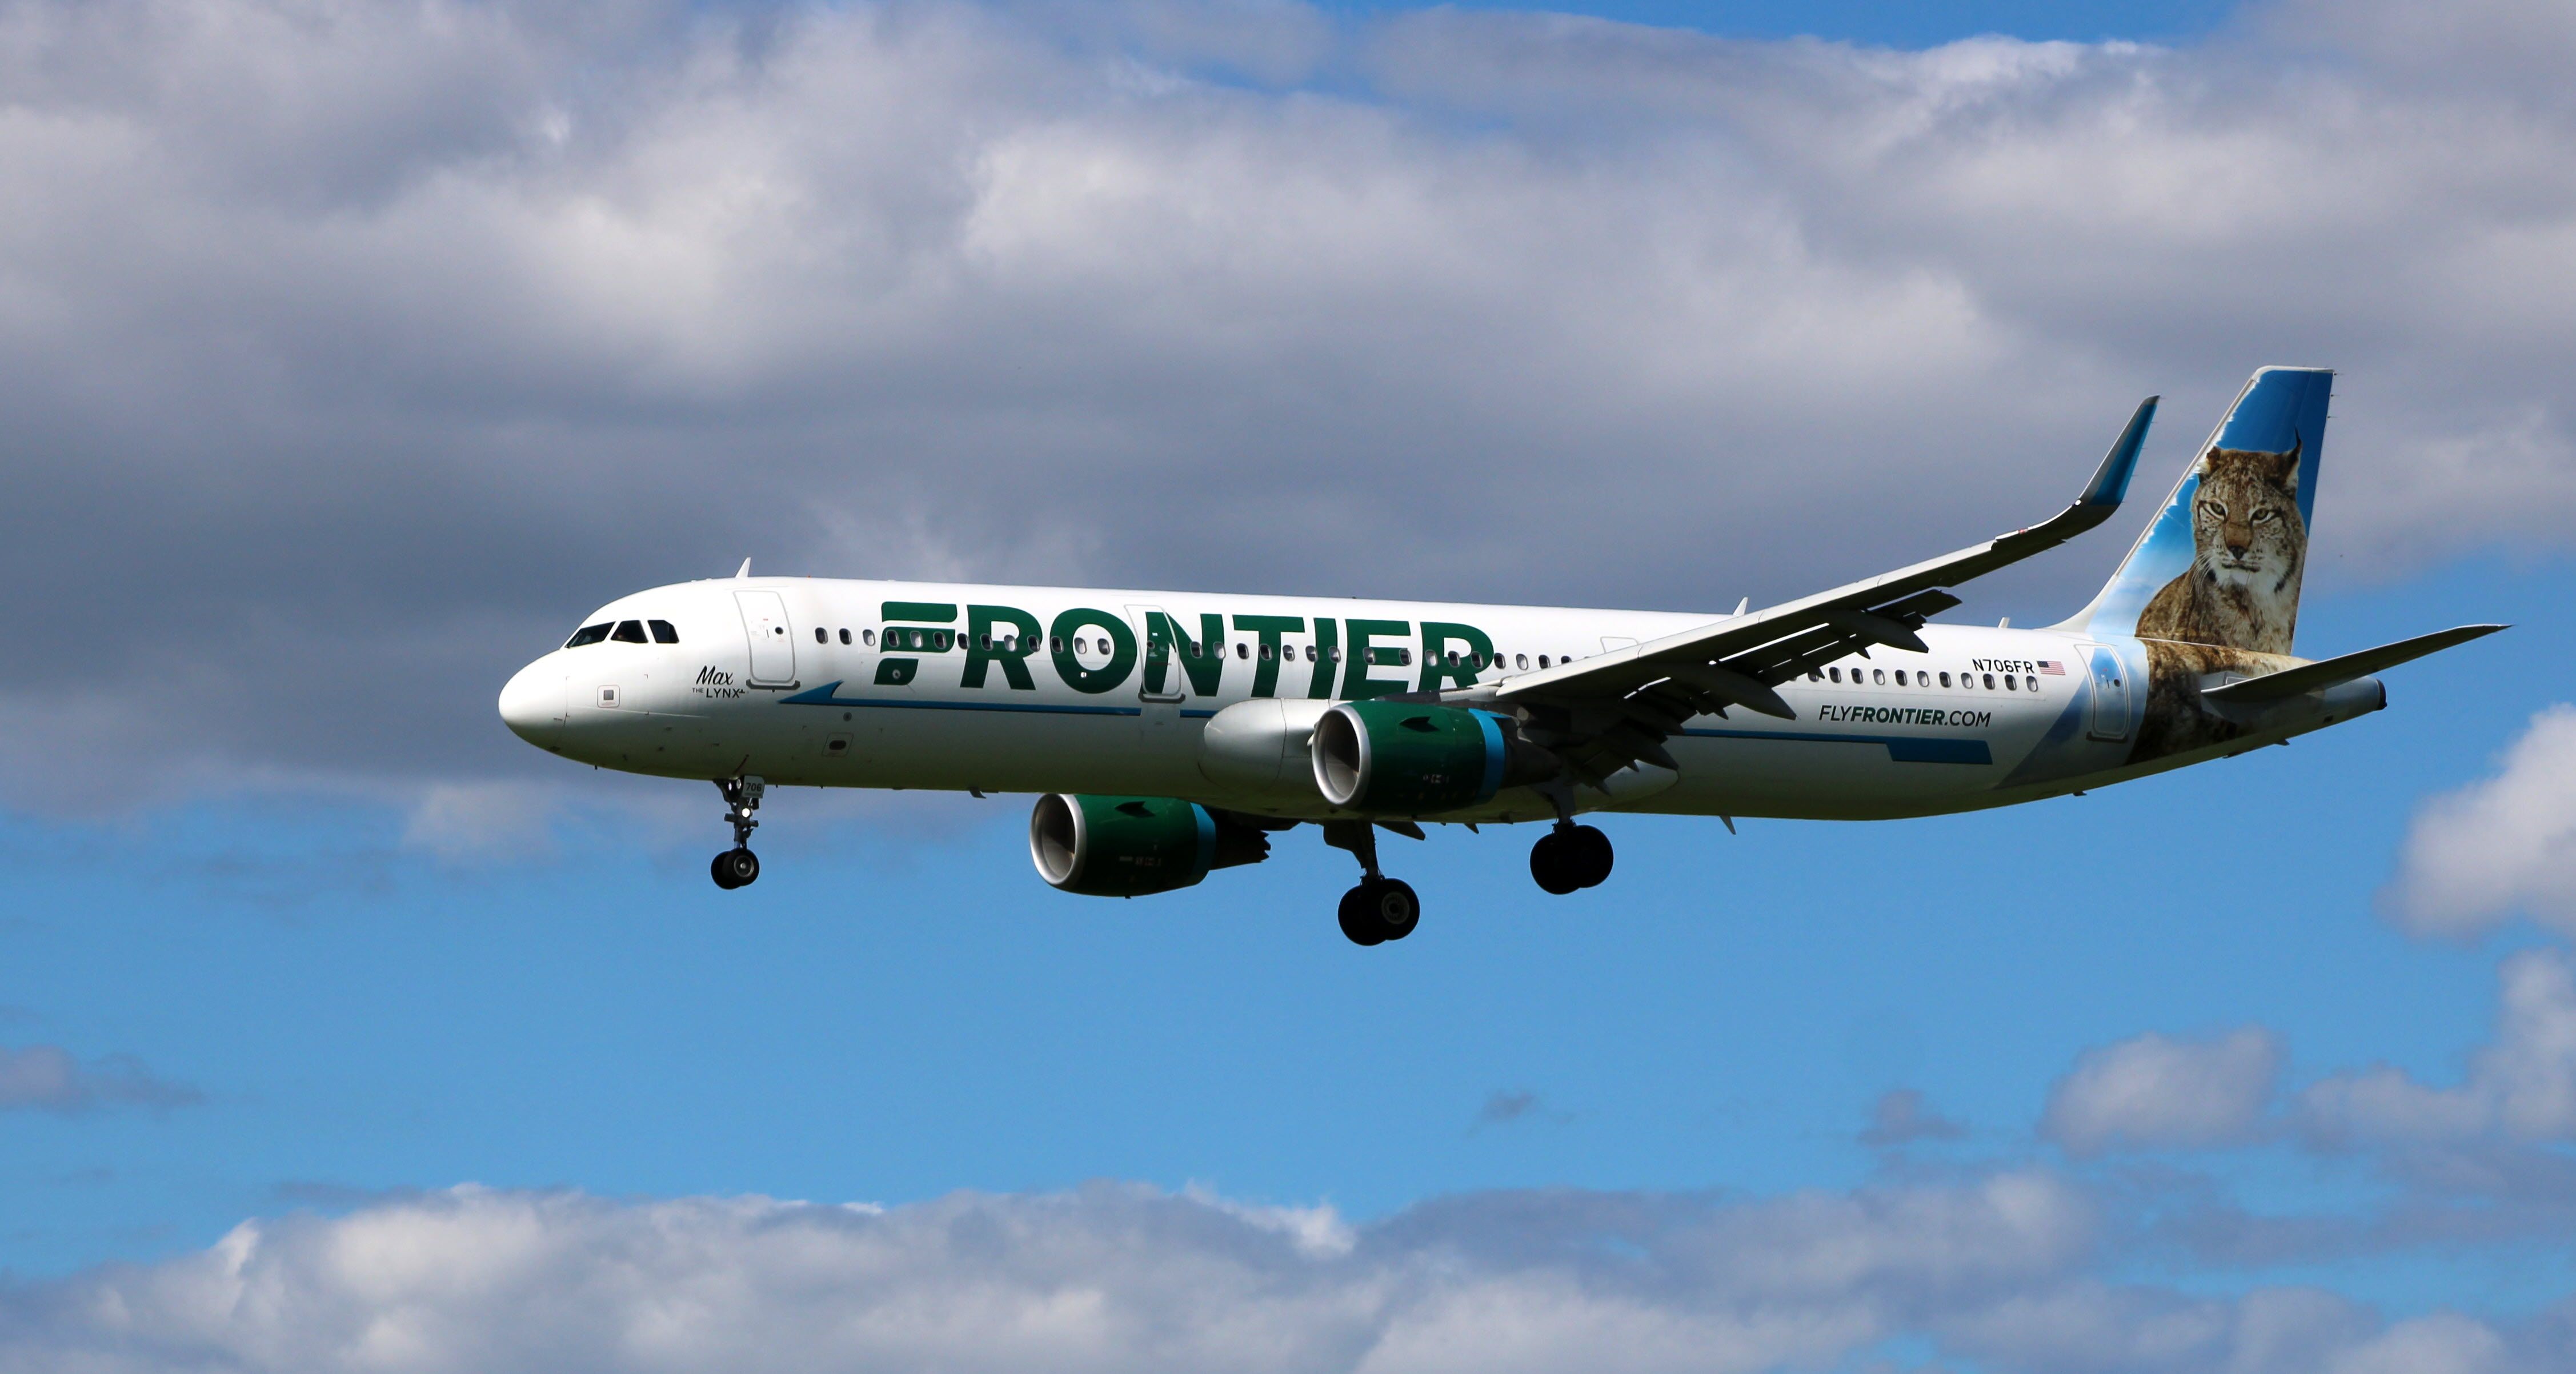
pixel 629 632
pixel 587 634
pixel 663 633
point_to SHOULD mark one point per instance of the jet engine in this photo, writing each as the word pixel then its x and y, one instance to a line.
pixel 1390 758
pixel 1134 846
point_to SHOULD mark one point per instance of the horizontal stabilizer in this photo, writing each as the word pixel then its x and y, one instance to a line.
pixel 2316 677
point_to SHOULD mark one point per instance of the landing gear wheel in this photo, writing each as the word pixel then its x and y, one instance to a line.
pixel 1359 918
pixel 1379 910
pixel 1589 851
pixel 1551 865
pixel 735 868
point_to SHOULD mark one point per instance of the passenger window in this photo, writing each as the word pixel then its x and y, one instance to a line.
pixel 1520 660
pixel 845 636
pixel 1835 673
pixel 821 636
pixel 1542 660
pixel 1945 679
pixel 630 632
pixel 2011 684
pixel 868 638
pixel 587 634
pixel 1814 676
pixel 1990 682
pixel 1265 653
pixel 1879 676
pixel 1055 644
pixel 663 633
pixel 1242 650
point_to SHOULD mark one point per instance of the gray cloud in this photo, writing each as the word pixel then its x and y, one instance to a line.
pixel 1998 1270
pixel 1503 1107
pixel 351 351
pixel 48 1078
pixel 1903 1116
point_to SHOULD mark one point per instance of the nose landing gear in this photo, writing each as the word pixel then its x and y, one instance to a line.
pixel 738 866
pixel 1569 857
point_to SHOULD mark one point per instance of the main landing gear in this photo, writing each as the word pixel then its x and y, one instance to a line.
pixel 1569 857
pixel 1380 908
pixel 738 866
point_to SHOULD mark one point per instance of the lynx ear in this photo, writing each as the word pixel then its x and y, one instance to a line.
pixel 2285 465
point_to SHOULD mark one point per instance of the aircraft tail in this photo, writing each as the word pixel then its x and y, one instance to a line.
pixel 2222 562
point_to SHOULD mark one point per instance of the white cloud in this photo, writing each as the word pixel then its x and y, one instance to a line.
pixel 1994 1271
pixel 2153 1092
pixel 2521 1086
pixel 481 820
pixel 2505 845
pixel 359 344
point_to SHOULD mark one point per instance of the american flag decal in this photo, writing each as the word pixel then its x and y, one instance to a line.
pixel 2052 668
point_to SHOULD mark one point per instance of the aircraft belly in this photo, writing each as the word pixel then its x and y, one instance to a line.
pixel 1041 747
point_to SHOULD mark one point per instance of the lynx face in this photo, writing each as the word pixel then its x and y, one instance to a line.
pixel 2245 522
pixel 2249 546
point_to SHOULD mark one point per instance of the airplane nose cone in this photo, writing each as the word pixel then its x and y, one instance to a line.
pixel 532 704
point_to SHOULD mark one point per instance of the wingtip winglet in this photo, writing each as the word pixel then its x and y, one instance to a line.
pixel 2110 484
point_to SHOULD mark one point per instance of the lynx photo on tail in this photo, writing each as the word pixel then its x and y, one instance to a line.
pixel 1170 734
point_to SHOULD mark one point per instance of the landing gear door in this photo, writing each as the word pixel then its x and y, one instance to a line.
pixel 2110 692
pixel 773 647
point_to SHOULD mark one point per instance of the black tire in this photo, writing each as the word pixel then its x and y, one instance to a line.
pixel 736 868
pixel 1359 917
pixel 1590 853
pixel 1550 866
pixel 1397 910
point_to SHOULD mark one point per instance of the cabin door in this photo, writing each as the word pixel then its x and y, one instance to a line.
pixel 773 646
pixel 2110 692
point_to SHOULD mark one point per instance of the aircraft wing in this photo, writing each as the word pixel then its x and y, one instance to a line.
pixel 1620 706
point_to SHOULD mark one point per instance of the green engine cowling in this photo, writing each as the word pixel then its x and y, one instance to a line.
pixel 1134 846
pixel 1391 758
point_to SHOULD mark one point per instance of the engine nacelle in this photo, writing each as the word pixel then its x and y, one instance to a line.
pixel 1392 758
pixel 1133 846
pixel 1258 747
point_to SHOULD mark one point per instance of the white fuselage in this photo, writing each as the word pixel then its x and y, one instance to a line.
pixel 833 683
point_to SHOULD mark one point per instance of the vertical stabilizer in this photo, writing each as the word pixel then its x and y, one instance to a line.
pixel 2221 564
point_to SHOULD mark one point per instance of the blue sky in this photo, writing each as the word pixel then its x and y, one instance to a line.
pixel 362 355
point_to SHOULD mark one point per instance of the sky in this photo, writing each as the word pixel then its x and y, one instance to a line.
pixel 352 352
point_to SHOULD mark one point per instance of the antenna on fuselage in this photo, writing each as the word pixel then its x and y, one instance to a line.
pixel 743 571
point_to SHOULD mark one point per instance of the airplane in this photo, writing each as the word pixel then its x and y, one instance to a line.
pixel 1171 734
